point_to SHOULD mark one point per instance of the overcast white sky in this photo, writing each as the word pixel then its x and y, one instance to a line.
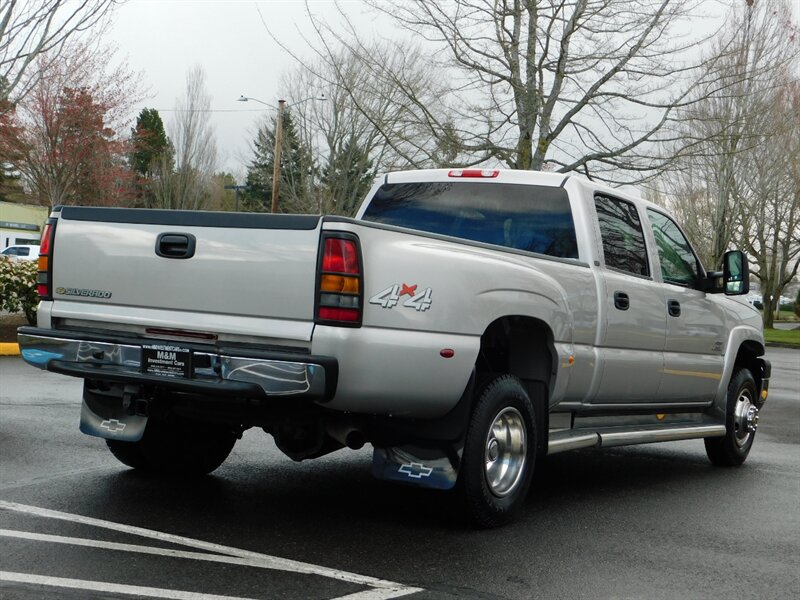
pixel 164 39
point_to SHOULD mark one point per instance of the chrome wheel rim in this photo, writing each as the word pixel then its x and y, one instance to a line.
pixel 745 418
pixel 506 452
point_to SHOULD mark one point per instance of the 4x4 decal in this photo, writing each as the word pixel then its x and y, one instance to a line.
pixel 391 296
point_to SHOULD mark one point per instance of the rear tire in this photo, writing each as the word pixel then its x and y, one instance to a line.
pixel 741 421
pixel 499 453
pixel 181 448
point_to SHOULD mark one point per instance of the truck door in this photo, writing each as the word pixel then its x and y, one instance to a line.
pixel 696 332
pixel 631 343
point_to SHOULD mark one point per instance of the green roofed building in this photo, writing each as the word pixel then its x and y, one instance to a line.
pixel 21 223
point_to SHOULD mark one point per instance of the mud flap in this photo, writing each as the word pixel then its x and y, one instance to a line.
pixel 435 468
pixel 110 422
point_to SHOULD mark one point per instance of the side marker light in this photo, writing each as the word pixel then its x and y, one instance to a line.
pixel 447 353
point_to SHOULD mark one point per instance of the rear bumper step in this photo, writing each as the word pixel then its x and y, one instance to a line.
pixel 220 371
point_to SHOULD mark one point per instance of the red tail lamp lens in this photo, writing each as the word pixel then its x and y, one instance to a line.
pixel 349 315
pixel 43 273
pixel 339 286
pixel 340 256
pixel 45 243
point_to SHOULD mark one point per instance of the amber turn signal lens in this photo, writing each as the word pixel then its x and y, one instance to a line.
pixel 339 284
pixel 43 262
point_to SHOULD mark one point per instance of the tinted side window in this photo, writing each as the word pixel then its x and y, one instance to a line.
pixel 525 217
pixel 623 239
pixel 23 251
pixel 678 262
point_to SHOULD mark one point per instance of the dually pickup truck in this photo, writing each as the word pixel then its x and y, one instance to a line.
pixel 466 324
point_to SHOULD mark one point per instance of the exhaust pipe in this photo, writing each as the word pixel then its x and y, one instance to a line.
pixel 355 439
pixel 349 436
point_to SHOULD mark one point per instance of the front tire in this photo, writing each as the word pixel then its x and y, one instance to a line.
pixel 741 421
pixel 180 448
pixel 499 453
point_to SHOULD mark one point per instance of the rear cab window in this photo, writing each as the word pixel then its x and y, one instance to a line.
pixel 530 218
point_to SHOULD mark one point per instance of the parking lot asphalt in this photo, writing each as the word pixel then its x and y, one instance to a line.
pixel 654 521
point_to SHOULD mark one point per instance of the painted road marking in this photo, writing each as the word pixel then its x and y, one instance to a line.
pixel 110 588
pixel 382 589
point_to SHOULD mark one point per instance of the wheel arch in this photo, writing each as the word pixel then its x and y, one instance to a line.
pixel 522 346
pixel 745 349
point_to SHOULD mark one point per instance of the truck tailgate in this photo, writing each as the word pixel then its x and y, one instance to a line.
pixel 252 265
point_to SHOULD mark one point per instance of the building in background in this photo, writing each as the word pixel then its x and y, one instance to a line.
pixel 21 223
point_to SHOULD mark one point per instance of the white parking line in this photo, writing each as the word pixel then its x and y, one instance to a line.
pixel 382 589
pixel 110 588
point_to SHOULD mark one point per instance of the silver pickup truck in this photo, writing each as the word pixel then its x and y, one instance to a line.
pixel 466 324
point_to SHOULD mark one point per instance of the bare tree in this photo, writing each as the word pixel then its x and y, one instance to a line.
pixel 768 192
pixel 723 130
pixel 186 182
pixel 346 132
pixel 33 28
pixel 581 85
pixel 724 127
pixel 735 180
pixel 65 137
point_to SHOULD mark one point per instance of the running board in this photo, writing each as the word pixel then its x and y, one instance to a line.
pixel 562 441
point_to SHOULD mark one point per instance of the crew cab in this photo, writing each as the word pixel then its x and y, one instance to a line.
pixel 466 323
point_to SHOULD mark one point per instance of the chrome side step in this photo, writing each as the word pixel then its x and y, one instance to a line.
pixel 667 434
pixel 562 441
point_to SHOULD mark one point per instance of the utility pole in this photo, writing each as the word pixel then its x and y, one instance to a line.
pixel 276 167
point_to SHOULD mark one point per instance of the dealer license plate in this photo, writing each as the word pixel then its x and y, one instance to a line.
pixel 167 361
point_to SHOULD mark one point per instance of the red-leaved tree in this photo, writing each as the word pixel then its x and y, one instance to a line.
pixel 63 138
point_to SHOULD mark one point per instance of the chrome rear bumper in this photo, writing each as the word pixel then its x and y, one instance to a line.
pixel 219 370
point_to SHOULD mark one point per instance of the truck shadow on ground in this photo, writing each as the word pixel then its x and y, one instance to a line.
pixel 334 495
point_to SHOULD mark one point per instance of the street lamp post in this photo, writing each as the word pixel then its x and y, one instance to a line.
pixel 276 167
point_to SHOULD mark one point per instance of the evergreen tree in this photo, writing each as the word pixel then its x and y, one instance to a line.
pixel 347 178
pixel 151 156
pixel 150 141
pixel 295 195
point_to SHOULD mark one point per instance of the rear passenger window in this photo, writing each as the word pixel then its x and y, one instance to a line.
pixel 623 239
pixel 524 217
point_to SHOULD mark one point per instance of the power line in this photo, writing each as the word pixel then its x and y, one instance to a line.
pixel 213 110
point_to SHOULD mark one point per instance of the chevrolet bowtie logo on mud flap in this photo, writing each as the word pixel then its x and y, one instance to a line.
pixel 113 425
pixel 415 470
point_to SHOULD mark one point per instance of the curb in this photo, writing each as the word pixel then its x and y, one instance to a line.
pixel 9 349
pixel 782 345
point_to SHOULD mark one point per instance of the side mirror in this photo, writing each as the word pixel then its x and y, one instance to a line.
pixel 735 273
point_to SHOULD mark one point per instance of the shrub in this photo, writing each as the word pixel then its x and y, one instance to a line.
pixel 18 287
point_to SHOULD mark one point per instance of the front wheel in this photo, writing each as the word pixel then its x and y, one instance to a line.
pixel 741 422
pixel 499 453
pixel 180 448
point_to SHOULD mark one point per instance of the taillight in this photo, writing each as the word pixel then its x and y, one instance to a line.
pixel 474 173
pixel 339 284
pixel 44 275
